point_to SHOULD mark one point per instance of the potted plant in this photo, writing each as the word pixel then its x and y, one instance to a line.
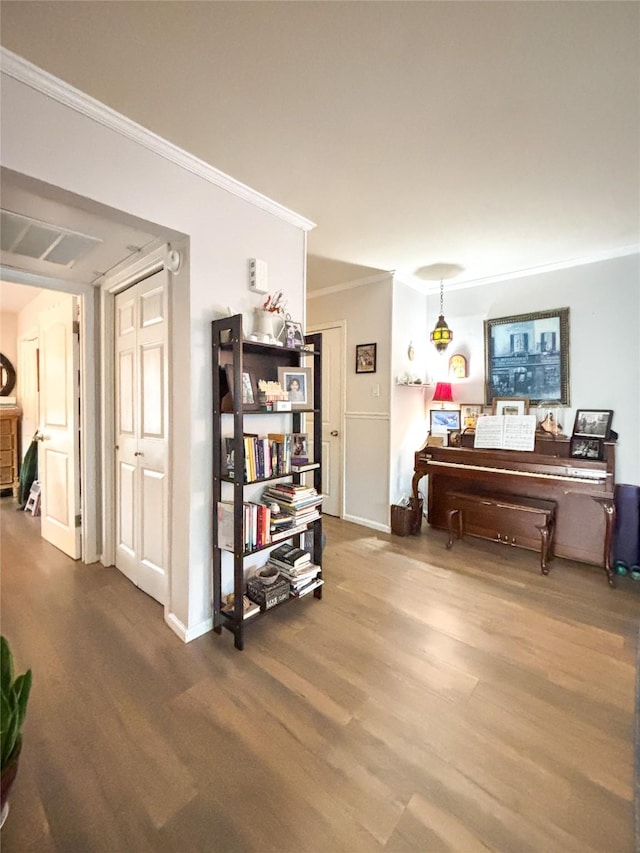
pixel 14 698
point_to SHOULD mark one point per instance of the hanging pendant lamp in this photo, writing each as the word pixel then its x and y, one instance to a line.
pixel 442 335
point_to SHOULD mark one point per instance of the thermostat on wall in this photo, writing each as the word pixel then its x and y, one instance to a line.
pixel 258 276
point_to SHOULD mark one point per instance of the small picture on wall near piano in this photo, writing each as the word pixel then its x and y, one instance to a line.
pixel 593 423
pixel 586 448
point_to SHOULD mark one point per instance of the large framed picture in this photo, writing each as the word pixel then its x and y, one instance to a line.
pixel 366 358
pixel 527 355
pixel 296 381
pixel 444 419
pixel 249 389
pixel 593 423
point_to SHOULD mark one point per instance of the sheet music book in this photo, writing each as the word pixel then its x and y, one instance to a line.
pixel 506 432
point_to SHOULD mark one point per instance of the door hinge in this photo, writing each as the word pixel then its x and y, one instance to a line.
pixel 78 520
pixel 76 328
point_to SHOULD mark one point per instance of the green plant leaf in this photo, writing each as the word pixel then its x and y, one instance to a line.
pixel 6 665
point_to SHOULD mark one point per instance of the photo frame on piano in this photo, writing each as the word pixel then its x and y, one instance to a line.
pixel 593 423
pixel 511 406
pixel 586 448
pixel 444 419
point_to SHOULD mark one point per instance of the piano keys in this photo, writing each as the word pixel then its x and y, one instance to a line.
pixel 582 489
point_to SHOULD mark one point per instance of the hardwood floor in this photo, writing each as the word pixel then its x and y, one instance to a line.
pixel 434 700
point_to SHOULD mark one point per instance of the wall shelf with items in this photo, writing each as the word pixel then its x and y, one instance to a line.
pixel 246 455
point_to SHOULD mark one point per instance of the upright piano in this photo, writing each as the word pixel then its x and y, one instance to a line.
pixel 582 489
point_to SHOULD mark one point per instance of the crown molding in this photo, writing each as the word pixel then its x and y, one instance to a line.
pixel 349 285
pixel 607 255
pixel 25 72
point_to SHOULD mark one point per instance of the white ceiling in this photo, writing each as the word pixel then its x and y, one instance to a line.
pixel 500 136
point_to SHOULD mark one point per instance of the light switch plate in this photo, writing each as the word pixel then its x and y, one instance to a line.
pixel 258 276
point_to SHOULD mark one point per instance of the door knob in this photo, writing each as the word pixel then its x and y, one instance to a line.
pixel 138 453
pixel 334 432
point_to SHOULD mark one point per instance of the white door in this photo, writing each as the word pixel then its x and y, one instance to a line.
pixel 59 449
pixel 141 434
pixel 332 417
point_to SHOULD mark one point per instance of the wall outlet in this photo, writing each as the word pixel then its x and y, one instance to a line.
pixel 258 276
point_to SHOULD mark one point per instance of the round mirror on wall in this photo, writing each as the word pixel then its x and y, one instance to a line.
pixel 7 376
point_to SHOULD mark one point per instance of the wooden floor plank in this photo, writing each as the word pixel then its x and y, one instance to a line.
pixel 433 700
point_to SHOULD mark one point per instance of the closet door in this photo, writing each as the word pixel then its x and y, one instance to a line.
pixel 141 434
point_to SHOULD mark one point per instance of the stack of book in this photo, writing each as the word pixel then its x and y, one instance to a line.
pixel 300 502
pixel 295 565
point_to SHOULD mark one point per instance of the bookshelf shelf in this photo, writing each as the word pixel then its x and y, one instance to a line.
pixel 233 358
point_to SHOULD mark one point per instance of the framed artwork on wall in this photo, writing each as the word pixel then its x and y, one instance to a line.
pixel 527 355
pixel 366 358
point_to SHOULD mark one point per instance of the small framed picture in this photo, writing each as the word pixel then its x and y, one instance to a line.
pixel 296 381
pixel 511 406
pixel 454 438
pixel 469 414
pixel 447 419
pixel 293 336
pixel 366 358
pixel 593 423
pixel 586 448
pixel 249 389
pixel 299 447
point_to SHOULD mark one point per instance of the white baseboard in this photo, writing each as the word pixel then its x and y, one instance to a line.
pixel 366 522
pixel 192 633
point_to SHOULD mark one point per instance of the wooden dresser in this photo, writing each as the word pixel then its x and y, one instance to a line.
pixel 9 448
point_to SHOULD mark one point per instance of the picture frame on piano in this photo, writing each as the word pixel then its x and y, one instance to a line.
pixel 444 419
pixel 582 447
pixel 470 412
pixel 527 355
pixel 511 406
pixel 593 423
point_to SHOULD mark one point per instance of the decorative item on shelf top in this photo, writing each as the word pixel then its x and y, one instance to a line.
pixel 442 335
pixel 265 326
pixel 293 334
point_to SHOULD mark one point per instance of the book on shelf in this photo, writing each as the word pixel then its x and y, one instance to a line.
pixel 290 554
pixel 225 525
pixel 299 466
pixel 506 432
pixel 308 588
pixel 288 532
pixel 228 451
pixel 302 573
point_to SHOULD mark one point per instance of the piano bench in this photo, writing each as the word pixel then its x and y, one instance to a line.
pixel 515 520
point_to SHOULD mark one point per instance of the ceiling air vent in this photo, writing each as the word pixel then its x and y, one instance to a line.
pixel 30 238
